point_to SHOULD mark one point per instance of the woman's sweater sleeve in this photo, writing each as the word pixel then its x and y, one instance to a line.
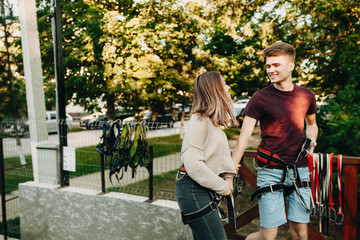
pixel 194 160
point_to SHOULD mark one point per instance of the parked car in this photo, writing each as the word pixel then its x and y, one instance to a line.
pixel 322 111
pixel 154 120
pixel 121 114
pixel 96 122
pixel 21 127
pixel 52 123
pixel 15 128
pixel 239 115
pixel 239 106
pixel 84 121
pixel 242 101
pixel 186 112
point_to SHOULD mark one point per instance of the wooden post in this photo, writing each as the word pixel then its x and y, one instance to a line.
pixel 350 201
pixel 248 175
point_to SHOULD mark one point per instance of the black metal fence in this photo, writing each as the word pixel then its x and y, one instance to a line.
pixel 12 172
pixel 163 139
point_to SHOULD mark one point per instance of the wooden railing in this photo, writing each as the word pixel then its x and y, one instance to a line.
pixel 349 205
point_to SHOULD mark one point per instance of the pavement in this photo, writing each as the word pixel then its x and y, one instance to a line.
pixel 8 238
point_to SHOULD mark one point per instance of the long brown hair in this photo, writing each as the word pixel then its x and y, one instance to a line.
pixel 212 100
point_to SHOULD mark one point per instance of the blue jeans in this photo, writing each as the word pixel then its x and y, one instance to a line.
pixel 192 197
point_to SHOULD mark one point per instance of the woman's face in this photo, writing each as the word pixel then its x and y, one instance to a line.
pixel 226 87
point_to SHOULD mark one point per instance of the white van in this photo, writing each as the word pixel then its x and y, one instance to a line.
pixel 52 123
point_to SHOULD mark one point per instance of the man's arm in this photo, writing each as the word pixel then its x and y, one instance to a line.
pixel 311 131
pixel 245 134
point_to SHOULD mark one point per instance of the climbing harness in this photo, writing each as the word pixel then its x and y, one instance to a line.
pixel 126 145
pixel 271 159
pixel 340 214
pixel 214 204
pixel 321 168
pixel 138 153
pixel 108 140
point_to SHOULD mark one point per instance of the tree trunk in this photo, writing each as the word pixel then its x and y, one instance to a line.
pixel 110 103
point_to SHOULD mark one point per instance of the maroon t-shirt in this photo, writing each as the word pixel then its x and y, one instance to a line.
pixel 282 118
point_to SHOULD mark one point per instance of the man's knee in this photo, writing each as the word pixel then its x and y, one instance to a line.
pixel 299 231
pixel 264 234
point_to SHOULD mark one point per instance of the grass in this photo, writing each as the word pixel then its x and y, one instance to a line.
pixel 87 161
pixel 76 129
pixel 231 132
pixel 13 228
pixel 164 186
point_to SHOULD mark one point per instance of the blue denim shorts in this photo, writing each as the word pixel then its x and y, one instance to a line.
pixel 272 205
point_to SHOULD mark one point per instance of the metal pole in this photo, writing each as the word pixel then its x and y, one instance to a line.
pixel 2 182
pixel 102 166
pixel 151 177
pixel 55 13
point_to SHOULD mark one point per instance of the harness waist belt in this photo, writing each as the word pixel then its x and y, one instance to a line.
pixel 271 159
pixel 278 187
pixel 191 217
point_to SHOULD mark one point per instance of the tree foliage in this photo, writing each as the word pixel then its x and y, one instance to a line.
pixel 146 54
pixel 12 85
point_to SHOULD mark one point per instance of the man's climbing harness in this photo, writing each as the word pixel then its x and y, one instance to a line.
pixel 271 159
pixel 214 204
pixel 321 169
pixel 126 145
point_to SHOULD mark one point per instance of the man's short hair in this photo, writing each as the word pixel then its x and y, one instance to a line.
pixel 278 49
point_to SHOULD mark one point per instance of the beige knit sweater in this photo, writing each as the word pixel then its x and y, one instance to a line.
pixel 205 154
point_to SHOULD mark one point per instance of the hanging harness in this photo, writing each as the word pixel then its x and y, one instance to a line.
pixel 271 159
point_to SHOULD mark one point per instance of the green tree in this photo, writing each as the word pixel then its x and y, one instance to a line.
pixel 328 43
pixel 326 37
pixel 149 56
pixel 12 86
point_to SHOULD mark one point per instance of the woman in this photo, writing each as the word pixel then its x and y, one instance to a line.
pixel 205 154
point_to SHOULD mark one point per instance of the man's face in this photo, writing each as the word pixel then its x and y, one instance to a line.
pixel 279 68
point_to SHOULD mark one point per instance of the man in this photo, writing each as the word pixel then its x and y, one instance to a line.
pixel 281 109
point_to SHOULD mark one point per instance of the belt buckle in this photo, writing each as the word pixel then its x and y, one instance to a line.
pixel 213 206
pixel 271 189
pixel 180 175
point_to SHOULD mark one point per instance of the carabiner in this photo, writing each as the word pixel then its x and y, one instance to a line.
pixel 341 217
pixel 332 215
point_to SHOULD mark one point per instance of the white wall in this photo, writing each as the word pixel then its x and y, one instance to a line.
pixel 48 212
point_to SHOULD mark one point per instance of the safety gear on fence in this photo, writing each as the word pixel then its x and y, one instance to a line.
pixel 271 159
pixel 321 169
pixel 126 145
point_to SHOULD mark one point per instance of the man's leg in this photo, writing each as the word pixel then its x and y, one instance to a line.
pixel 297 214
pixel 263 234
pixel 271 206
pixel 299 231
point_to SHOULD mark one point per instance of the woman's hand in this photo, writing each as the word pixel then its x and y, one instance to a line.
pixel 237 166
pixel 229 180
pixel 228 192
